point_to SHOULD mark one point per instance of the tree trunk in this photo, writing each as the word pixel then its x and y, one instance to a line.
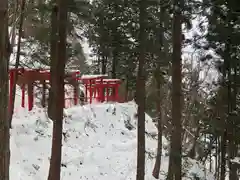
pixel 157 166
pixel 58 66
pixel 176 137
pixel 126 89
pixel 141 94
pixel 114 53
pixel 114 56
pixel 217 155
pixel 53 54
pixel 4 58
pixel 158 78
pixel 104 64
pixel 192 152
pixel 115 44
pixel 223 155
pixel 170 164
pixel 15 76
pixel 103 53
pixel 224 133
pixel 13 23
pixel 232 93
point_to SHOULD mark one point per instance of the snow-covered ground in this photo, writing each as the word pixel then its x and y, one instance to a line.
pixel 99 143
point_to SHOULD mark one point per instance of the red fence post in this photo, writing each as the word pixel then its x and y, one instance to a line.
pixel 23 96
pixel 107 91
pixel 86 90
pixel 90 91
pixel 99 92
pixel 11 83
pixel 44 93
pixel 23 90
pixel 30 96
pixel 116 92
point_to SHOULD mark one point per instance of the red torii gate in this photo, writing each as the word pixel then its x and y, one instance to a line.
pixel 29 77
pixel 89 82
pixel 97 87
pixel 107 89
pixel 101 89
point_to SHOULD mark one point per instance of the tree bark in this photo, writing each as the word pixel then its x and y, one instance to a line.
pixel 58 67
pixel 13 23
pixel 158 78
pixel 53 54
pixel 4 123
pixel 141 93
pixel 15 78
pixel 232 93
pixel 176 137
pixel 157 166
pixel 223 154
pixel 114 53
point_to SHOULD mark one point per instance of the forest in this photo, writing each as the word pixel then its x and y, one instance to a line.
pixel 177 59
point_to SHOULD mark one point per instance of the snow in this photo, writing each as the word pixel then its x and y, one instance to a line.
pixel 89 76
pixel 112 80
pixel 98 145
pixel 100 142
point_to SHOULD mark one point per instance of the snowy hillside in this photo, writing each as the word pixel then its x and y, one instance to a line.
pixel 99 143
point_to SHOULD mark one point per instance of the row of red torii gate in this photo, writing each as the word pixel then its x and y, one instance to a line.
pixel 96 88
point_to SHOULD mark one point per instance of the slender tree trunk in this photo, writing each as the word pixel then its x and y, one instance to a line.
pixel 126 89
pixel 114 58
pixel 158 77
pixel 115 45
pixel 58 92
pixel 141 94
pixel 114 64
pixel 223 154
pixel 157 165
pixel 114 53
pixel 192 152
pixel 14 22
pixel 103 53
pixel 4 58
pixel 15 78
pixel 224 133
pixel 53 54
pixel 176 137
pixel 232 93
pixel 217 154
pixel 104 64
pixel 170 164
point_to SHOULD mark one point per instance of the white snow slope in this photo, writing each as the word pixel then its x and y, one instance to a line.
pixel 97 144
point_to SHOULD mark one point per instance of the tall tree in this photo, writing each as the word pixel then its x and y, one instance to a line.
pixel 4 123
pixel 159 81
pixel 175 162
pixel 15 78
pixel 53 54
pixel 57 88
pixel 141 92
pixel 223 37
